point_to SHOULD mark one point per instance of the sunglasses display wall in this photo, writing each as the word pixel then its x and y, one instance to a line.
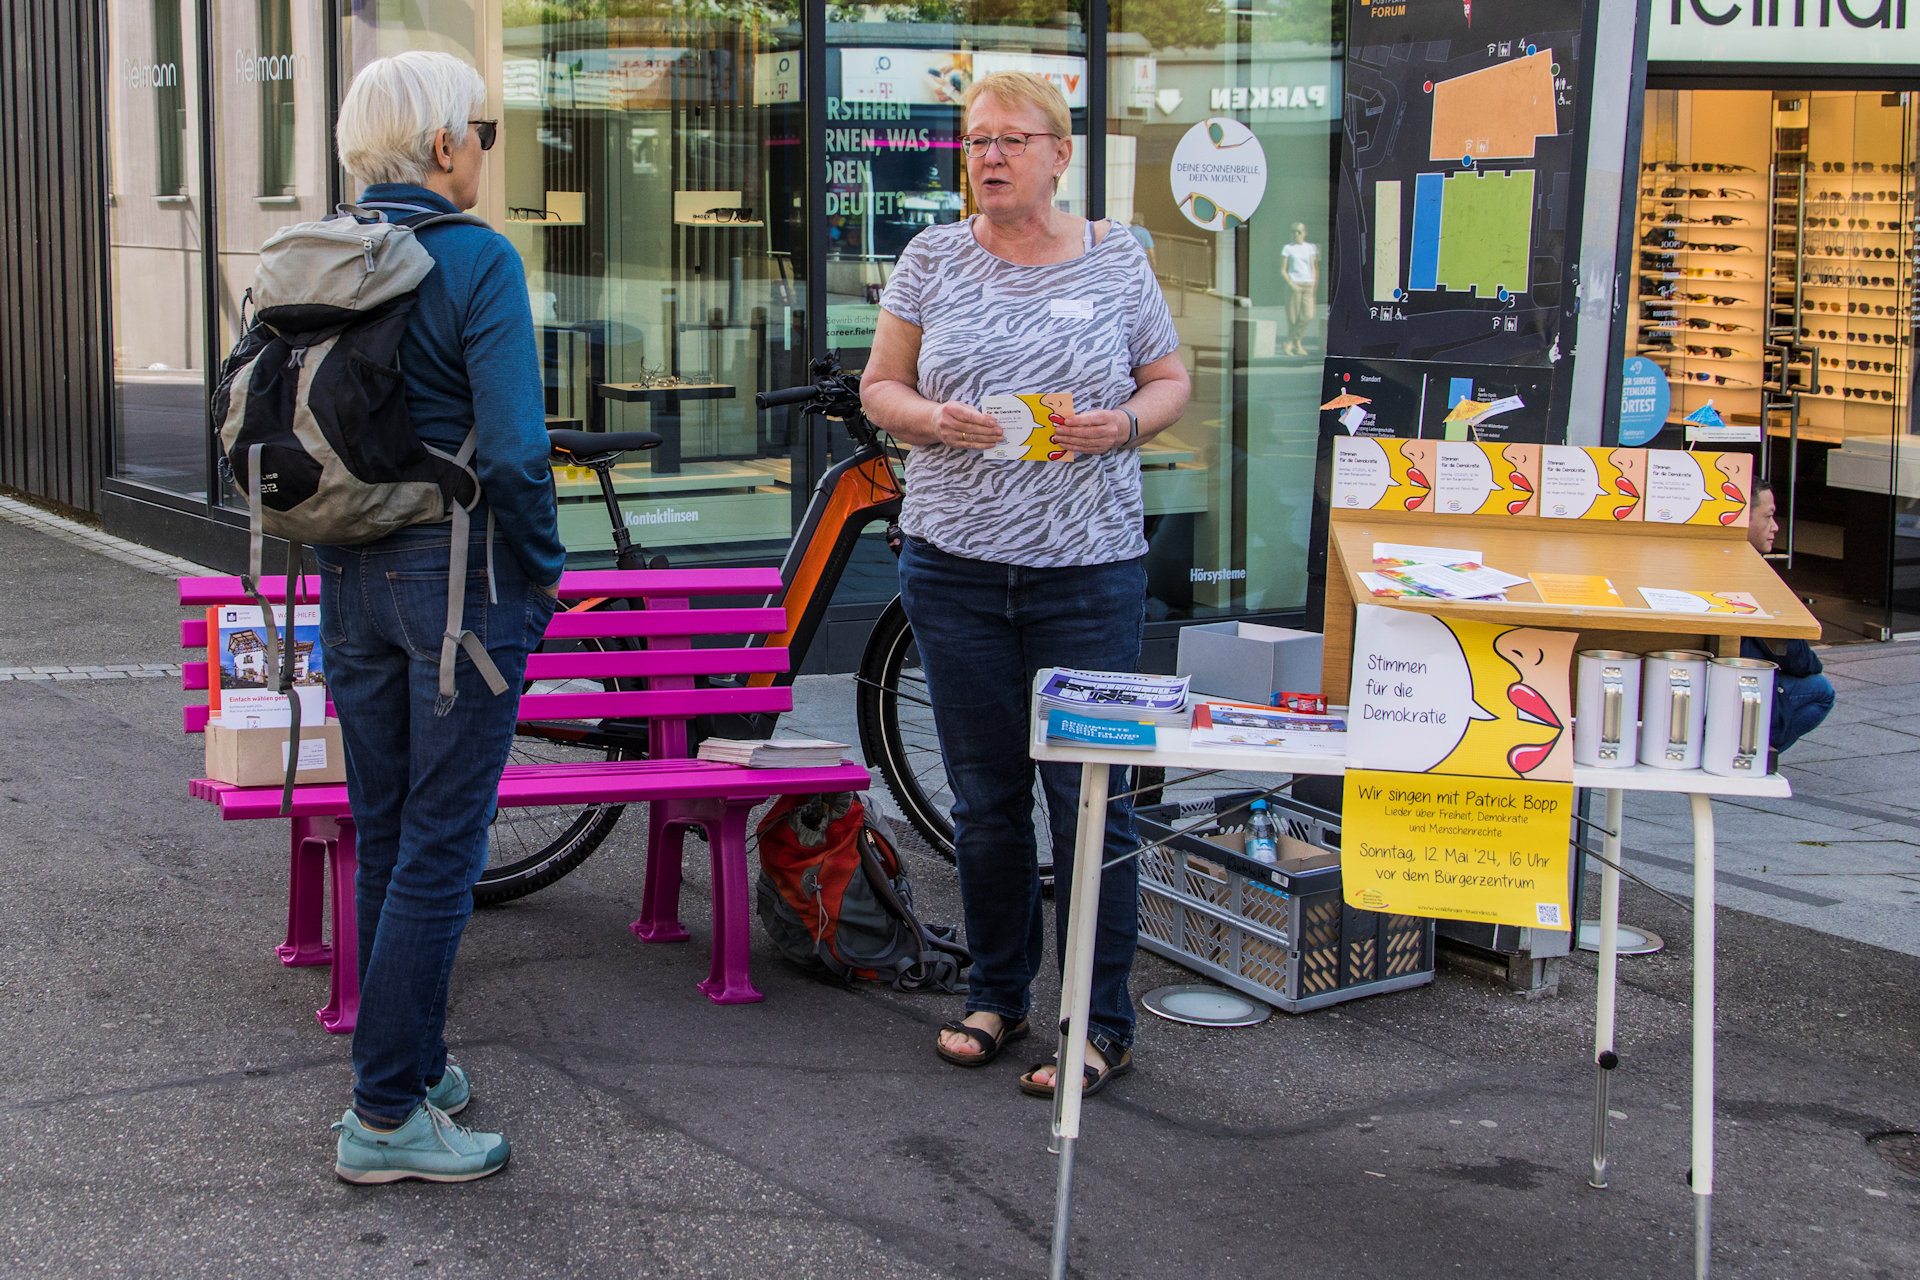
pixel 1672 709
pixel 1778 228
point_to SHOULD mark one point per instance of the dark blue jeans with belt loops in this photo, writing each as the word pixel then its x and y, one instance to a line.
pixel 983 630
pixel 422 786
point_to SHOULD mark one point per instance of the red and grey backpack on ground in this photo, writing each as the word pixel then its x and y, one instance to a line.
pixel 311 415
pixel 833 895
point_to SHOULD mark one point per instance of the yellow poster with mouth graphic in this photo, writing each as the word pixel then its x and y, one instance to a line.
pixel 1459 791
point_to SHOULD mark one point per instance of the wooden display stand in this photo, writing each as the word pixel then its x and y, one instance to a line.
pixel 1630 554
pixel 1688 557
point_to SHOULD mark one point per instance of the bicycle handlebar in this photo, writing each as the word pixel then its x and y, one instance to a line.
pixel 790 395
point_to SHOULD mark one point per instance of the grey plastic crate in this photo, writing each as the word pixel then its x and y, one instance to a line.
pixel 1281 935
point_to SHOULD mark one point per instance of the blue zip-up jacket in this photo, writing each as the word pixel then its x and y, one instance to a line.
pixel 469 359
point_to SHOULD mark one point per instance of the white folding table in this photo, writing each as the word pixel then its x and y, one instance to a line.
pixel 1173 751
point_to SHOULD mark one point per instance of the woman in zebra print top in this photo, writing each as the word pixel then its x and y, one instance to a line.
pixel 1015 564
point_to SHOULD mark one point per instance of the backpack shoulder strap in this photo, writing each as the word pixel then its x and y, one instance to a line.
pixel 412 216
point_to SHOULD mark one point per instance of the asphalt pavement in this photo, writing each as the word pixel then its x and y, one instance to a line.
pixel 167 1090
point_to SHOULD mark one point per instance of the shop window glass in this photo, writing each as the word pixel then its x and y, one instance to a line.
pixel 155 247
pixel 1779 221
pixel 271 148
pixel 895 76
pixel 651 173
pixel 1229 489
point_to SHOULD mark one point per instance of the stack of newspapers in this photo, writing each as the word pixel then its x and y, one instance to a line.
pixel 1108 708
pixel 774 753
pixel 1115 695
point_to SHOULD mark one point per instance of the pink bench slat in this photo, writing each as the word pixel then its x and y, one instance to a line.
pixel 215 590
pixel 606 623
pixel 655 662
pixel 193 633
pixel 653 702
pixel 618 782
pixel 587 583
pixel 577 585
pixel 193 675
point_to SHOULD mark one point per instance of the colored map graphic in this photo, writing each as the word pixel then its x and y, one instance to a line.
pixel 1496 113
pixel 1471 231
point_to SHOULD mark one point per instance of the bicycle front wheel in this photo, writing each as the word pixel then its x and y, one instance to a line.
pixel 530 848
pixel 897 733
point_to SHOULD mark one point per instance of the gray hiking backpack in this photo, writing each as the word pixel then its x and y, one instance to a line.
pixel 311 414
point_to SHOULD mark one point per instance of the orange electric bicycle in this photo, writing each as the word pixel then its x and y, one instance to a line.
pixel 531 848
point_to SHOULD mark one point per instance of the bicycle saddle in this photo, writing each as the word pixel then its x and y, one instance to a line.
pixel 584 448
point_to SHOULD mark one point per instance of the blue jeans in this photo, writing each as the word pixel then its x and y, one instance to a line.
pixel 422 786
pixel 1800 703
pixel 983 630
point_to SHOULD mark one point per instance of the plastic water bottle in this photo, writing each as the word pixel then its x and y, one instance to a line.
pixel 1262 845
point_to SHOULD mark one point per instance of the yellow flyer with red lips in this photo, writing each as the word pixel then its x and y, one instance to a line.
pixel 1382 473
pixel 1027 423
pixel 1459 790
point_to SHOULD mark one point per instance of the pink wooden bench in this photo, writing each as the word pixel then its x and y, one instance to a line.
pixel 681 792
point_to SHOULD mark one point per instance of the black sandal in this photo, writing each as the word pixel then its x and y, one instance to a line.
pixel 1093 1079
pixel 990 1045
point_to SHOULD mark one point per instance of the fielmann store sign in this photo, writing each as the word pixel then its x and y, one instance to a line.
pixel 1846 32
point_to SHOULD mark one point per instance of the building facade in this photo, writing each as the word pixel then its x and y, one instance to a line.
pixel 709 193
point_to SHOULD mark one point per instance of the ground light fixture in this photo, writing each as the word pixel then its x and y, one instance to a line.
pixel 1205 1005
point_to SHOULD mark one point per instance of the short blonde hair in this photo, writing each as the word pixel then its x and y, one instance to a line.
pixel 1022 89
pixel 398 105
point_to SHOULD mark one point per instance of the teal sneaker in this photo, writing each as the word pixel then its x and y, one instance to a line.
pixel 428 1146
pixel 454 1091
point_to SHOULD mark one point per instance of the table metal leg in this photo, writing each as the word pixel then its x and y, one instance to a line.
pixel 1076 995
pixel 1702 1036
pixel 1604 1058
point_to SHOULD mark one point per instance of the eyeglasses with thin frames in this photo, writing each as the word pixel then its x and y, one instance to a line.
pixel 975 145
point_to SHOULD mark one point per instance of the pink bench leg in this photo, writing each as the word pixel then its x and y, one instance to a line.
pixel 660 900
pixel 313 842
pixel 727 979
pixel 343 991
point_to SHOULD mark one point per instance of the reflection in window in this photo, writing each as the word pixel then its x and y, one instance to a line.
pixel 1228 490
pixel 895 76
pixel 273 66
pixel 169 101
pixel 154 247
pixel 652 169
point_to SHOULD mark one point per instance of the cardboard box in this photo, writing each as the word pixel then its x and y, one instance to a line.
pixel 258 757
pixel 1248 662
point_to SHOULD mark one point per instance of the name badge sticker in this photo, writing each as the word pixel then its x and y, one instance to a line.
pixel 1070 308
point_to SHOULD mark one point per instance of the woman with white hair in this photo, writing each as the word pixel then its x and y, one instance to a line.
pixel 422 774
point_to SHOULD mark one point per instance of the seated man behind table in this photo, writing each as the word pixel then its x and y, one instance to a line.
pixel 1802 696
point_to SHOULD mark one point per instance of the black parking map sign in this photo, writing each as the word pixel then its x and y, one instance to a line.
pixel 1456 181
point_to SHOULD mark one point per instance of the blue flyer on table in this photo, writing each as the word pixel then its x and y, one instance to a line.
pixel 1089 731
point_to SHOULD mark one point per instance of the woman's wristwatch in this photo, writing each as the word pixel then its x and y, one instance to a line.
pixel 1133 425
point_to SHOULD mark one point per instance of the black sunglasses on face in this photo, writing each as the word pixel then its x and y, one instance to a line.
pixel 488 131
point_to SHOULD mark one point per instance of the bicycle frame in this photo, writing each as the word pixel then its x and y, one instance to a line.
pixel 852 495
